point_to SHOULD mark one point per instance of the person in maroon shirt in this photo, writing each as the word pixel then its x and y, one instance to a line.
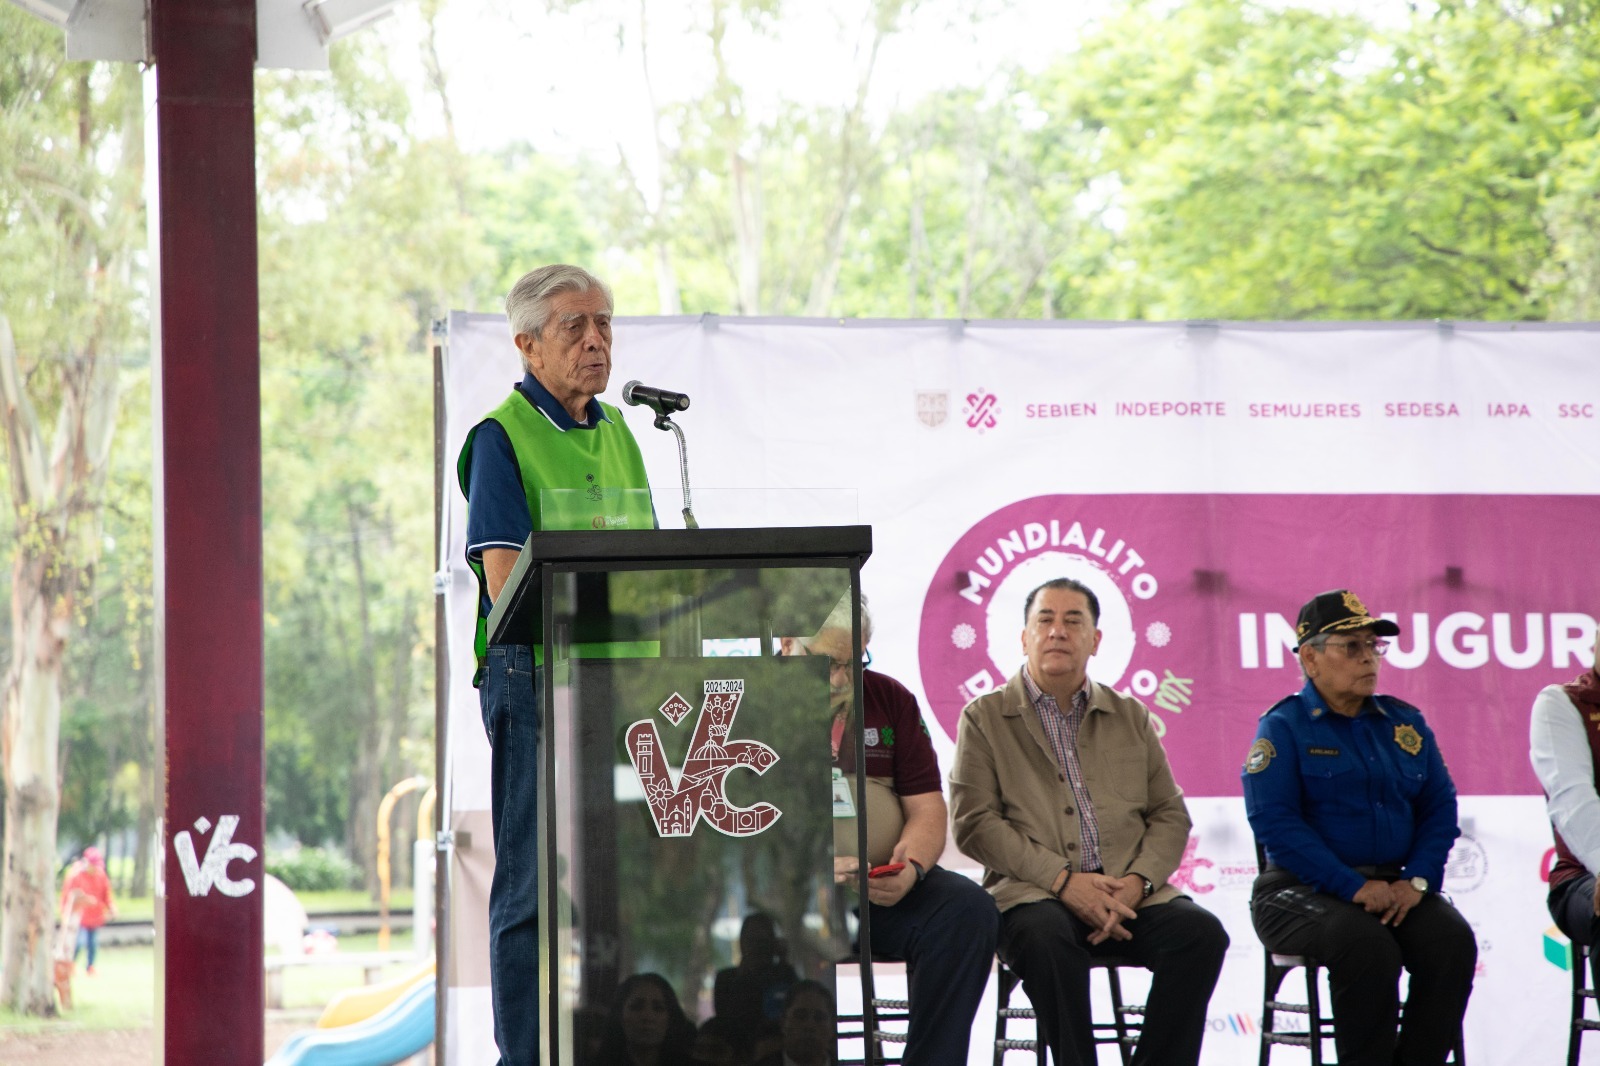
pixel 942 924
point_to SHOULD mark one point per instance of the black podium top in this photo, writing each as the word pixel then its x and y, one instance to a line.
pixel 515 615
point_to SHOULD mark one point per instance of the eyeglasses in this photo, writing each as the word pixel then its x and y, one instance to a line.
pixel 1354 649
pixel 839 664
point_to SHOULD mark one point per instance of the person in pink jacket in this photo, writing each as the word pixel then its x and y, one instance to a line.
pixel 87 891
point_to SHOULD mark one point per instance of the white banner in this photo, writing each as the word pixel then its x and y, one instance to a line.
pixel 1207 480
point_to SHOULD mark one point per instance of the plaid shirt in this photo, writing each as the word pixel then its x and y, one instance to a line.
pixel 1062 729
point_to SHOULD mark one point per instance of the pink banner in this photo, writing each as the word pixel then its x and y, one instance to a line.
pixel 1496 597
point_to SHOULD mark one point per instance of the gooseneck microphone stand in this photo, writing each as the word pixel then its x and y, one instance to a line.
pixel 664 421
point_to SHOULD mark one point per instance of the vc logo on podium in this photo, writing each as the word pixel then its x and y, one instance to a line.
pixel 679 800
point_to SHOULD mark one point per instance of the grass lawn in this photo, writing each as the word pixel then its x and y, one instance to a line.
pixel 118 996
pixel 121 994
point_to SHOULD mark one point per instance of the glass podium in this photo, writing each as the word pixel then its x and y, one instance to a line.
pixel 686 776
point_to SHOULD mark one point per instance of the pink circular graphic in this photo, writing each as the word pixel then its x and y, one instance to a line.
pixel 971 635
pixel 1199 594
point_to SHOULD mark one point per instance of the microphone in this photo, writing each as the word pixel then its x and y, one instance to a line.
pixel 663 403
pixel 660 401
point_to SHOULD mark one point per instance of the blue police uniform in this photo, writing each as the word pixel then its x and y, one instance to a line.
pixel 1334 793
pixel 1336 801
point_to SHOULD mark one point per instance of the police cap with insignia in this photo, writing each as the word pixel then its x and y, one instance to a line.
pixel 1337 612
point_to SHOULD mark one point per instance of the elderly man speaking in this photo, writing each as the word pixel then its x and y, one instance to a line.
pixel 1348 793
pixel 550 433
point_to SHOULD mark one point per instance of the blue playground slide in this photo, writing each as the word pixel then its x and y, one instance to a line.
pixel 394 1034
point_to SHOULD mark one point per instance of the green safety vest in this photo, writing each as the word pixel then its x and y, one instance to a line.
pixel 589 461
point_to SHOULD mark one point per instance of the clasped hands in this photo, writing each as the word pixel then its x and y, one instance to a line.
pixel 1102 902
pixel 1391 901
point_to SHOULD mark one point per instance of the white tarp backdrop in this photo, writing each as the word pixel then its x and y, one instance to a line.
pixel 1206 479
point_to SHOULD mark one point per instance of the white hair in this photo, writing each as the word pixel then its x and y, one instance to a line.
pixel 1319 643
pixel 528 302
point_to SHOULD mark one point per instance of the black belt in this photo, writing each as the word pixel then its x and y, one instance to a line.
pixel 1381 872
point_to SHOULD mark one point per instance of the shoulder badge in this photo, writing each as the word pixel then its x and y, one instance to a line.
pixel 1261 755
pixel 1408 738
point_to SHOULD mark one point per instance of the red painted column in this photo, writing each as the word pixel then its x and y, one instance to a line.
pixel 208 544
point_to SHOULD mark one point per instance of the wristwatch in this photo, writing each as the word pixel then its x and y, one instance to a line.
pixel 1148 886
pixel 1420 884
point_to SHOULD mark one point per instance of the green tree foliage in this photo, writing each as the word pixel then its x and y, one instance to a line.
pixel 363 241
pixel 1207 158
pixel 1182 158
pixel 736 206
pixel 978 215
pixel 1283 164
pixel 109 774
pixel 533 210
pixel 70 165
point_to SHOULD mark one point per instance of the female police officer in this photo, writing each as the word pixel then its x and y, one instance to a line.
pixel 1347 792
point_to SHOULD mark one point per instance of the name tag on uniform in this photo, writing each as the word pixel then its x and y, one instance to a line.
pixel 1322 751
pixel 843 805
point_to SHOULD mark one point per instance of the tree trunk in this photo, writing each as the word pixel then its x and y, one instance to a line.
pixel 668 294
pixel 40 620
pixel 56 496
pixel 57 479
pixel 826 278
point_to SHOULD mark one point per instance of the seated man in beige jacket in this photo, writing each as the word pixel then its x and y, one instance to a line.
pixel 1062 791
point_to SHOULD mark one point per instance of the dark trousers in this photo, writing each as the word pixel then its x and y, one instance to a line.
pixel 510 700
pixel 1572 906
pixel 945 929
pixel 1364 957
pixel 1180 943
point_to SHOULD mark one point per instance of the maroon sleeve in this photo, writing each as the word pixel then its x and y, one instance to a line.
pixel 890 705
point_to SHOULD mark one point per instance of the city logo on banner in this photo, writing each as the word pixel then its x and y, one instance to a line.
pixel 201 876
pixel 972 613
pixel 679 800
pixel 1187 876
pixel 1467 868
pixel 932 408
pixel 982 410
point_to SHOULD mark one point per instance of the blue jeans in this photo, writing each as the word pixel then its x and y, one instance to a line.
pixel 945 929
pixel 510 700
pixel 87 938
